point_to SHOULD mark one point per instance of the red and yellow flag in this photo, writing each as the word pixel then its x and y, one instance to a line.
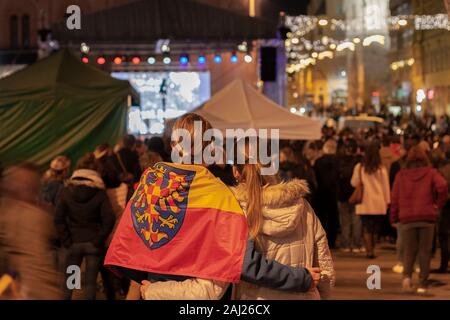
pixel 181 221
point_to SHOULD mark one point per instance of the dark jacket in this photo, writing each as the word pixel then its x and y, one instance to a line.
pixel 346 164
pixel 110 171
pixel 83 212
pixel 130 160
pixel 417 194
pixel 51 191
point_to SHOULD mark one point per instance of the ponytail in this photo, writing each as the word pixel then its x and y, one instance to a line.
pixel 253 183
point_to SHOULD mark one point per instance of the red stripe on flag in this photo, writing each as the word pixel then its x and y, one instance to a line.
pixel 209 245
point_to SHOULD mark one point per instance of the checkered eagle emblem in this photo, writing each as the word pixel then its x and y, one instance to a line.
pixel 159 204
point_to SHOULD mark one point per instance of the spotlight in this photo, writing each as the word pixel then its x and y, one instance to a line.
pixel 118 60
pixel 201 60
pixel 217 59
pixel 135 60
pixel 248 58
pixel 151 60
pixel 85 60
pixel 101 60
pixel 184 59
pixel 167 60
pixel 234 58
pixel 84 48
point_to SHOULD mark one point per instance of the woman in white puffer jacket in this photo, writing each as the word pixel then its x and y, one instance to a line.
pixel 285 228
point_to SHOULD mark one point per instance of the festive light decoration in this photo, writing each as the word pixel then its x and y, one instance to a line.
pixel 302 25
pixel 167 60
pixel 345 45
pixel 402 63
pixel 326 54
pixel 217 59
pixel 151 60
pixel 323 22
pixel 356 40
pixel 135 60
pixel 248 58
pixel 374 38
pixel 85 60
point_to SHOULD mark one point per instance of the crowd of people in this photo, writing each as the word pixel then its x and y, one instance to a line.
pixel 348 191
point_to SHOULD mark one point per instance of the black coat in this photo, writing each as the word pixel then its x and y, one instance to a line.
pixel 130 160
pixel 346 164
pixel 84 214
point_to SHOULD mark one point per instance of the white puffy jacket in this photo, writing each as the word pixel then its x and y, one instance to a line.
pixel 292 235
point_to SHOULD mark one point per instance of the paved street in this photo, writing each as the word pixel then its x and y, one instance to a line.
pixel 352 277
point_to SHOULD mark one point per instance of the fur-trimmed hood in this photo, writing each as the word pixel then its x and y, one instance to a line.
pixel 283 205
pixel 88 178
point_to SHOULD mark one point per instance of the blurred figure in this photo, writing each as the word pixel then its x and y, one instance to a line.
pixel 408 143
pixel 293 166
pixel 108 166
pixel 372 175
pixel 419 191
pixel 350 223
pixel 157 145
pixel 325 199
pixel 129 159
pixel 53 179
pixel 388 157
pixel 84 219
pixel 25 234
pixel 444 220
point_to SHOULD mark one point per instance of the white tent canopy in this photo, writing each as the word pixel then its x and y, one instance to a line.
pixel 240 106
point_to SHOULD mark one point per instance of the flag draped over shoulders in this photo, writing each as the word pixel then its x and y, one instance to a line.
pixel 181 221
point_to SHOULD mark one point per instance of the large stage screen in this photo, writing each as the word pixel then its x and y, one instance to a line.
pixel 164 95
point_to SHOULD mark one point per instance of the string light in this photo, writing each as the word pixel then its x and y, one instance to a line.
pixel 374 38
pixel 346 45
pixel 356 40
pixel 151 60
pixel 323 22
pixel 101 60
pixel 248 58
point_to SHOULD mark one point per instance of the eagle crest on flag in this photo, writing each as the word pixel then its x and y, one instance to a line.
pixel 158 205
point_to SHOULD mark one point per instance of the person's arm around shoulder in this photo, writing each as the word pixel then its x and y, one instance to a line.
pixel 258 270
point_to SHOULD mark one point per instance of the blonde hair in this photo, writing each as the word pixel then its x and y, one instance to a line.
pixel 186 122
pixel 254 182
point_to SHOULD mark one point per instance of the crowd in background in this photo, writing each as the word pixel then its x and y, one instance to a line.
pixel 365 186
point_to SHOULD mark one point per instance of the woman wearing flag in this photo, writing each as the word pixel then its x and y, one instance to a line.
pixel 185 232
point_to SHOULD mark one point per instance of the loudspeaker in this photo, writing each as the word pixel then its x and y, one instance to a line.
pixel 268 68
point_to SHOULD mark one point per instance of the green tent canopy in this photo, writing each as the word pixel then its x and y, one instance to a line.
pixel 59 106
